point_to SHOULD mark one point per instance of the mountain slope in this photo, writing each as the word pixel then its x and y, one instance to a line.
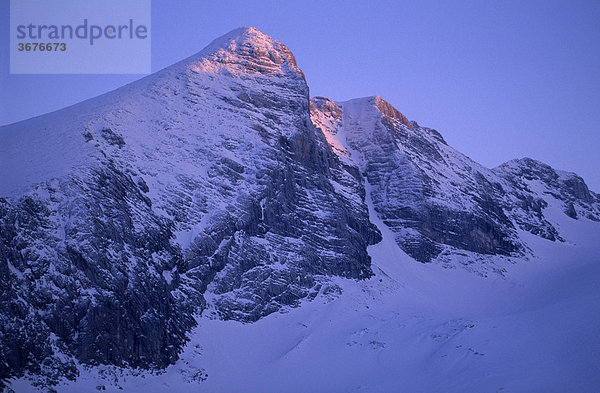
pixel 205 179
pixel 411 327
pixel 439 203
pixel 216 188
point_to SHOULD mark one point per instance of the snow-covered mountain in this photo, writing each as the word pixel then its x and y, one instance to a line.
pixel 440 204
pixel 134 225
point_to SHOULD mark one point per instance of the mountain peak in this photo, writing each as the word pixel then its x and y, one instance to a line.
pixel 391 113
pixel 386 109
pixel 247 50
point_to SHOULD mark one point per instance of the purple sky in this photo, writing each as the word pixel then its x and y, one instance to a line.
pixel 499 79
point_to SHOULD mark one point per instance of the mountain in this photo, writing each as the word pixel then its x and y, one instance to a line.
pixel 440 204
pixel 217 189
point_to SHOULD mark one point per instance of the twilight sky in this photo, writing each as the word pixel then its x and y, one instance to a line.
pixel 498 79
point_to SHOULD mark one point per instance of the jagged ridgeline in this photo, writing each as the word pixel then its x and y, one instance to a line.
pixel 216 185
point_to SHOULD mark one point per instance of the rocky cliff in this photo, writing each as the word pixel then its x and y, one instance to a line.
pixel 217 186
pixel 438 202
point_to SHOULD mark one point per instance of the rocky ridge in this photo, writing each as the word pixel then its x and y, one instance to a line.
pixel 217 186
pixel 438 202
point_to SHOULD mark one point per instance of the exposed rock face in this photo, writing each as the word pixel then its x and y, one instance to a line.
pixel 532 180
pixel 82 263
pixel 205 179
pixel 426 192
pixel 436 200
pixel 217 186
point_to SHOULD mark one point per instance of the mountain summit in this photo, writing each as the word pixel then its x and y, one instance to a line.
pixel 216 187
pixel 247 50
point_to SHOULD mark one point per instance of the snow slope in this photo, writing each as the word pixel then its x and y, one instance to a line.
pixel 224 195
pixel 411 328
pixel 205 183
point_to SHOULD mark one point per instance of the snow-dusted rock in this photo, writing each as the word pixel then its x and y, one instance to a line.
pixel 216 186
pixel 206 179
pixel 438 202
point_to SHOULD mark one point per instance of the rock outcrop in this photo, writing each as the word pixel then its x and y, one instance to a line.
pixel 437 201
pixel 216 185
